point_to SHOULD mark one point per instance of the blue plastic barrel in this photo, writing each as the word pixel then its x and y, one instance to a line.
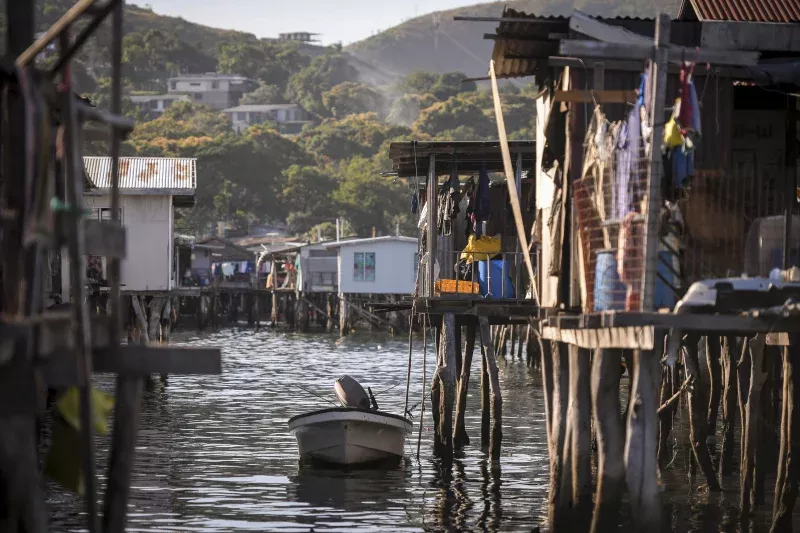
pixel 609 291
pixel 495 277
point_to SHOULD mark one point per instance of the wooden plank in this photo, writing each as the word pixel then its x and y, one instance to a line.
pixel 751 36
pixel 641 338
pixel 105 238
pixel 583 23
pixel 601 97
pixel 600 50
pixel 60 369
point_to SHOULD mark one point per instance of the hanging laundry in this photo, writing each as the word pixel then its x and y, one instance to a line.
pixel 414 204
pixel 469 192
pixel 482 202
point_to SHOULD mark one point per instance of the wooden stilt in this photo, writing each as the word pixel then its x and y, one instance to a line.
pixel 558 505
pixel 519 346
pixel 665 418
pixel 752 413
pixel 461 439
pixel 610 442
pixel 329 307
pixel 713 349
pixel 513 334
pixel 641 445
pixel 579 421
pixel 788 483
pixel 436 396
pixel 729 382
pixel 496 430
pixel 447 376
pixel 486 417
pixel 698 423
pixel 344 316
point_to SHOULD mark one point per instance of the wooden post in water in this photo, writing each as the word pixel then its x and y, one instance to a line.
pixel 729 382
pixel 698 421
pixel 665 417
pixel 579 431
pixel 610 441
pixel 446 375
pixel 496 430
pixel 713 355
pixel 344 316
pixel 788 482
pixel 558 505
pixel 461 439
pixel 329 307
pixel 750 427
pixel 641 445
pixel 486 417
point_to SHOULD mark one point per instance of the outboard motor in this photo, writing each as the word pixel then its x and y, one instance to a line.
pixel 351 393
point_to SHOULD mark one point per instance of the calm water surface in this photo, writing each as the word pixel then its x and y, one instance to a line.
pixel 214 453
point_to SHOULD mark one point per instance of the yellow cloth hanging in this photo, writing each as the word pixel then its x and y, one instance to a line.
pixel 672 132
pixel 482 248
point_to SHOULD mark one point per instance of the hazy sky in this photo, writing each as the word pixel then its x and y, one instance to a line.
pixel 336 20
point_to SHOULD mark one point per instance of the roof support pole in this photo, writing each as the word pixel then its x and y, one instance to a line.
pixel 431 234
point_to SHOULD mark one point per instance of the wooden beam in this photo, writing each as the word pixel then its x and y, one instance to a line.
pixel 60 369
pixel 635 338
pixel 590 26
pixel 601 97
pixel 600 50
pixel 751 36
pixel 104 238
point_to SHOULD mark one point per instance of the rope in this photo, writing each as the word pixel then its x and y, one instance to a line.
pixel 317 395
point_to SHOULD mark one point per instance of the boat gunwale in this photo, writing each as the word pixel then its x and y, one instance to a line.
pixel 350 410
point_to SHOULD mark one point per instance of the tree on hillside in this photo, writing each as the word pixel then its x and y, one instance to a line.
pixel 450 84
pixel 325 72
pixel 406 109
pixel 149 58
pixel 419 82
pixel 308 191
pixel 268 61
pixel 352 98
pixel 355 135
pixel 264 95
pixel 456 119
pixel 181 120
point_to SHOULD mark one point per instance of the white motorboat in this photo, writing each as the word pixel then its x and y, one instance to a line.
pixel 352 434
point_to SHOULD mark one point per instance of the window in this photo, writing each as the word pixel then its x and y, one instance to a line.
pixel 416 265
pixel 198 96
pixel 241 116
pixel 215 85
pixel 173 85
pixel 195 83
pixel 105 213
pixel 364 266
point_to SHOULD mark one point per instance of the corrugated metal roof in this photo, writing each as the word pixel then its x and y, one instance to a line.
pixel 785 11
pixel 178 175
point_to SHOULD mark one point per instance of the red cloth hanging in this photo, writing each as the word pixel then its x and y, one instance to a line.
pixel 685 116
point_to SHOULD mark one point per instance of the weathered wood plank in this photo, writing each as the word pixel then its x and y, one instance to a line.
pixel 59 370
pixel 590 26
pixel 626 337
pixel 599 96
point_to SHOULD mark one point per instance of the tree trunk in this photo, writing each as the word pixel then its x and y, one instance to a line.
pixel 715 379
pixel 610 443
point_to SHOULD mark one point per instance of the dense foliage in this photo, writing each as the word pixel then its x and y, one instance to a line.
pixel 332 169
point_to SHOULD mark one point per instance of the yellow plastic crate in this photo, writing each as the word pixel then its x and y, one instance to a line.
pixel 449 286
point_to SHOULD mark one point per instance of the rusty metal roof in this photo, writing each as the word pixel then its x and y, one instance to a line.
pixel 786 11
pixel 145 175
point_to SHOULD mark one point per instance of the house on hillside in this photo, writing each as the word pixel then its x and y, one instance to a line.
pixel 219 91
pixel 150 189
pixel 289 117
pixel 153 105
pixel 378 265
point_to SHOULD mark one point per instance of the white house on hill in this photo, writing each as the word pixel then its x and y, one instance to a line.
pixel 150 189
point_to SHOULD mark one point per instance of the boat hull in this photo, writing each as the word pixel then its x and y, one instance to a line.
pixel 347 436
